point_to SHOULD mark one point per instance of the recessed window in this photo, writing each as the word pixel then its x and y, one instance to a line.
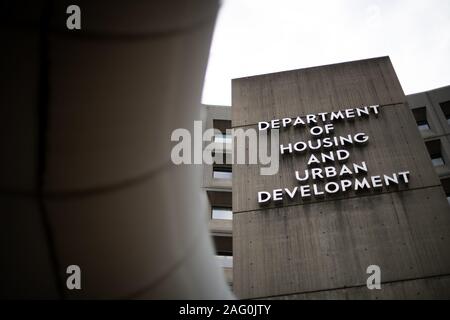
pixel 222 172
pixel 225 261
pixel 434 149
pixel 221 204
pixel 223 245
pixel 221 213
pixel 224 250
pixel 420 114
pixel 223 137
pixel 445 106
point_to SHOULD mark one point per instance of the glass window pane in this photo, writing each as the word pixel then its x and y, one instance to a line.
pixel 219 174
pixel 225 261
pixel 222 213
pixel 223 138
pixel 423 126
pixel 438 161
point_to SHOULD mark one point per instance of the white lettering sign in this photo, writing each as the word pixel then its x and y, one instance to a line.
pixel 322 150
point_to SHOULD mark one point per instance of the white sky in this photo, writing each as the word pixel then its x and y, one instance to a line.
pixel 261 36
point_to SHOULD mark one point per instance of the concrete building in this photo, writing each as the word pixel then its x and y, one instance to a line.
pixel 87 179
pixel 431 111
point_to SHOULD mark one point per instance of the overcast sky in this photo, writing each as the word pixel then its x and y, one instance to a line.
pixel 261 36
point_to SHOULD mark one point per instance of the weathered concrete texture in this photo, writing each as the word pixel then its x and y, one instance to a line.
pixel 318 89
pixel 322 246
pixel 428 288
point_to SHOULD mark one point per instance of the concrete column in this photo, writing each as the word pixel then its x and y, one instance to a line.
pixel 86 177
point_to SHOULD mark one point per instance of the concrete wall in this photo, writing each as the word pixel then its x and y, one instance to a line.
pixel 322 247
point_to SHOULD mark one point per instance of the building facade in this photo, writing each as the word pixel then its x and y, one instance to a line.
pixel 217 184
pixel 431 110
pixel 275 254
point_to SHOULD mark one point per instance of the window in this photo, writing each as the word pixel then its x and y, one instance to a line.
pixel 437 160
pixel 434 149
pixel 221 203
pixel 225 261
pixel 423 125
pixel 222 213
pixel 420 114
pixel 223 138
pixel 222 172
pixel 445 106
pixel 224 250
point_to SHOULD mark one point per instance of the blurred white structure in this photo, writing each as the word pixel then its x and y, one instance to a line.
pixel 85 174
